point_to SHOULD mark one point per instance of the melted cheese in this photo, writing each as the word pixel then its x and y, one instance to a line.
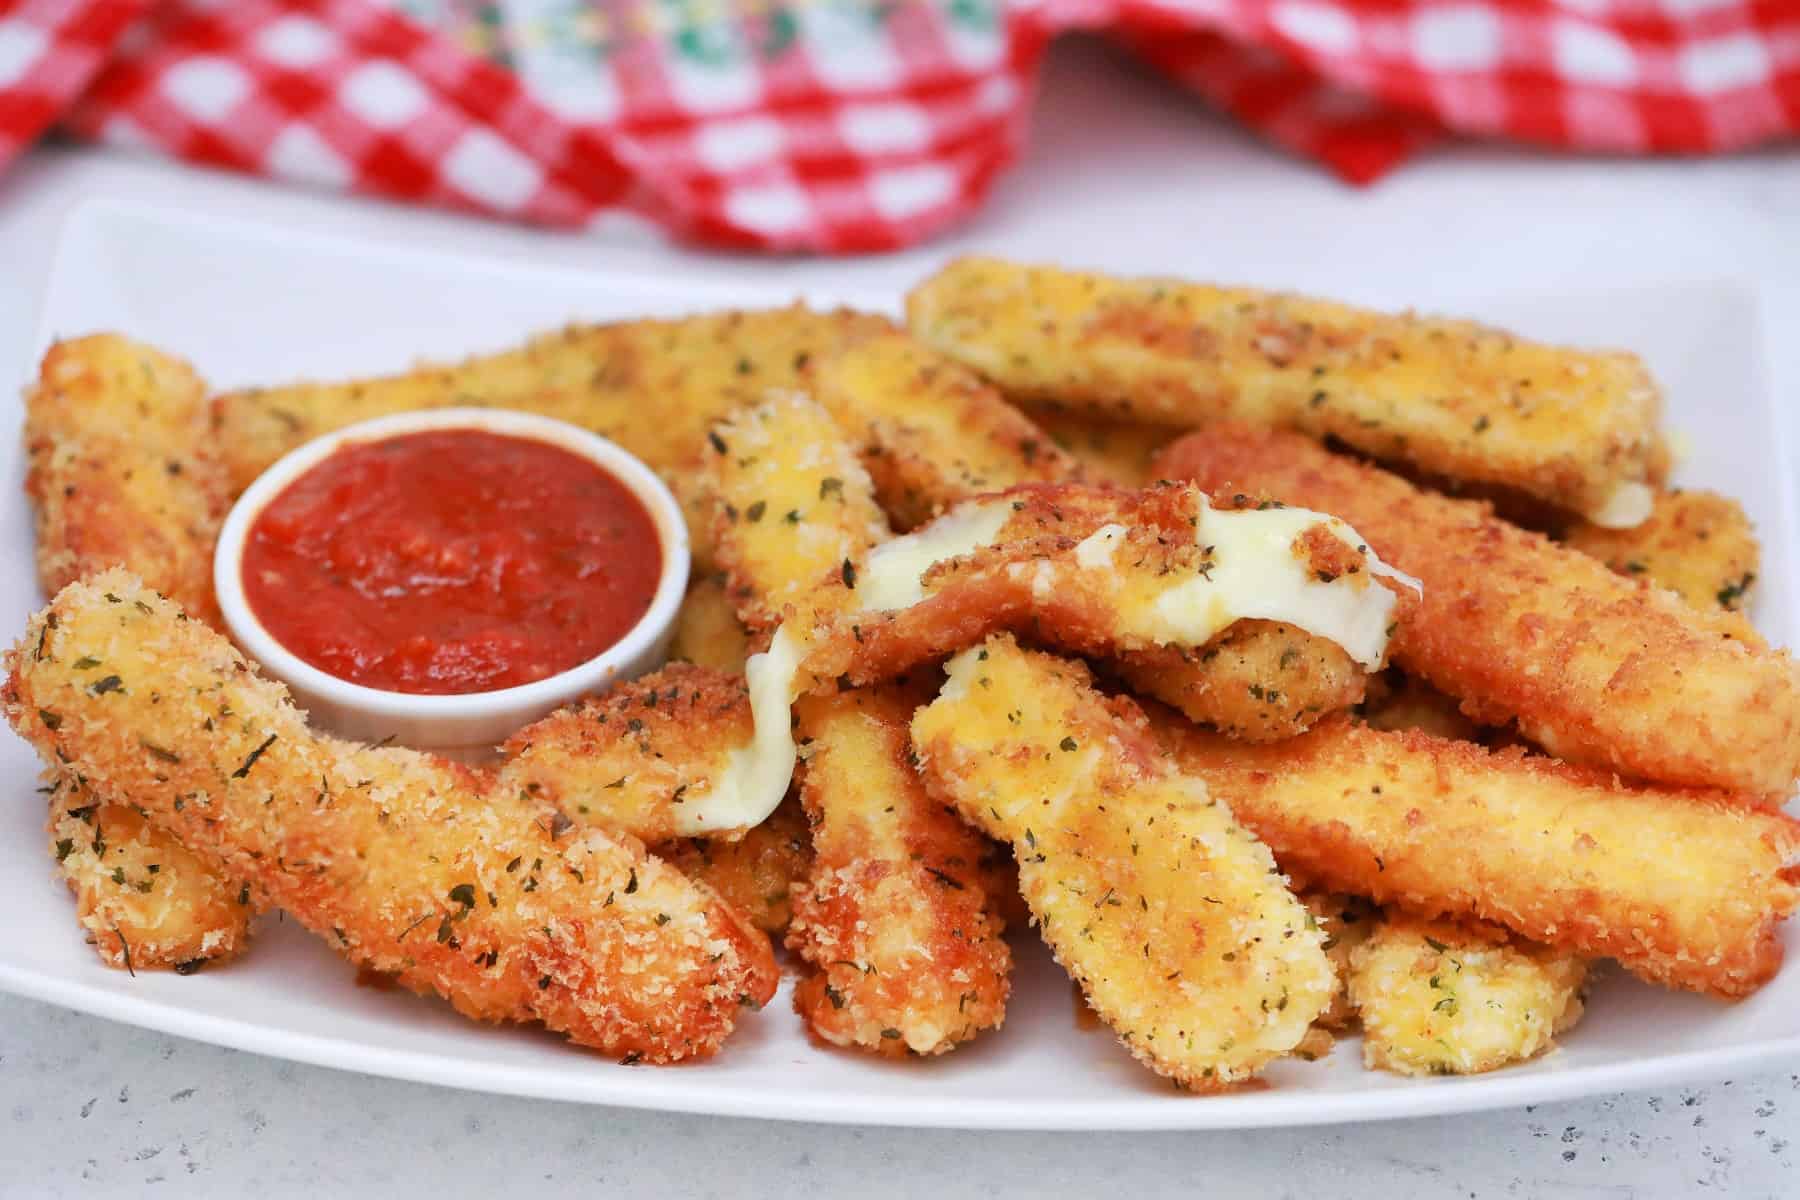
pixel 1254 573
pixel 1627 507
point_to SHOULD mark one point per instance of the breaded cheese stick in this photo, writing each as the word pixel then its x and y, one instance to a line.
pixel 1346 921
pixel 894 920
pixel 653 386
pixel 1594 667
pixel 1170 915
pixel 756 873
pixel 1685 888
pixel 930 432
pixel 933 437
pixel 1452 998
pixel 1398 701
pixel 146 901
pixel 1577 428
pixel 1697 544
pixel 407 864
pixel 793 503
pixel 120 474
pixel 707 630
pixel 1118 452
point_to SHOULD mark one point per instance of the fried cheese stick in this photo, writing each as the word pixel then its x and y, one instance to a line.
pixel 1577 428
pixel 1683 887
pixel 653 386
pixel 407 864
pixel 895 919
pixel 1697 544
pixel 930 432
pixel 933 436
pixel 1594 667
pixel 793 504
pixel 756 873
pixel 1346 921
pixel 707 630
pixel 1451 998
pixel 1118 452
pixel 1170 915
pixel 119 475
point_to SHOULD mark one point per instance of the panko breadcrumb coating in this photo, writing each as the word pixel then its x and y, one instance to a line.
pixel 894 920
pixel 1594 667
pixel 1118 452
pixel 1346 921
pixel 145 900
pixel 1170 915
pixel 1697 544
pixel 1442 998
pixel 120 473
pixel 1451 397
pixel 1683 887
pixel 755 874
pixel 408 865
pixel 930 432
pixel 1398 701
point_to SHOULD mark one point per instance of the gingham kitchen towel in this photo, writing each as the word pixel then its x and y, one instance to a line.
pixel 847 125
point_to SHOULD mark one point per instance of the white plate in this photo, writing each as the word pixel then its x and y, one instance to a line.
pixel 251 304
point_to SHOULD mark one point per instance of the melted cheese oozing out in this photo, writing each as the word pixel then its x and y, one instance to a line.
pixel 1256 574
pixel 1628 507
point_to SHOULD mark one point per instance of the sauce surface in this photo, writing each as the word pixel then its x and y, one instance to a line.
pixel 451 561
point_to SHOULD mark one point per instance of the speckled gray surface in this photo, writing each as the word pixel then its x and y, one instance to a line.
pixel 88 1107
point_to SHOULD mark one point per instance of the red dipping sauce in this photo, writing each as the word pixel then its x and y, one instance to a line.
pixel 451 561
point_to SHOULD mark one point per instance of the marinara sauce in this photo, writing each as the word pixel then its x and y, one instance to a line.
pixel 451 561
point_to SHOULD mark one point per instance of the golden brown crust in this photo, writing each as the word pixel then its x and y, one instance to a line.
pixel 894 920
pixel 1594 667
pixel 1685 888
pixel 929 431
pixel 755 874
pixel 1346 921
pixel 408 865
pixel 147 902
pixel 1170 915
pixel 1116 452
pixel 1697 544
pixel 1458 998
pixel 792 504
pixel 707 630
pixel 1452 397
pixel 1398 701
pixel 627 760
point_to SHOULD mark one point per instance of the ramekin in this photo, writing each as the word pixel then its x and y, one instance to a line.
pixel 466 726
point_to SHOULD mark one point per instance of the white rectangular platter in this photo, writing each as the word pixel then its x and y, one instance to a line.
pixel 250 304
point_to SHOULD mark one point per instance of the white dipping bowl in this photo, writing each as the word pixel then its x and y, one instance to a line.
pixel 465 726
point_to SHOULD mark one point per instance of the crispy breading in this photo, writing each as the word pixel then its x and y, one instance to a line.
pixel 707 630
pixel 145 900
pixel 1398 701
pixel 120 474
pixel 407 864
pixel 1446 998
pixel 653 386
pixel 1455 398
pixel 755 874
pixel 1037 575
pixel 1170 915
pixel 894 920
pixel 120 470
pixel 626 760
pixel 1595 667
pixel 931 433
pixel 1346 921
pixel 1698 544
pixel 1684 887
pixel 1118 452
pixel 793 503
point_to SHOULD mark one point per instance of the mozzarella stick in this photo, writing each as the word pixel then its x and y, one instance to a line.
pixel 1684 887
pixel 755 874
pixel 1452 998
pixel 1577 428
pixel 1107 451
pixel 653 386
pixel 120 474
pixel 895 919
pixel 707 630
pixel 1699 545
pixel 1169 914
pixel 1346 921
pixel 1594 667
pixel 408 865
pixel 793 504
pixel 930 432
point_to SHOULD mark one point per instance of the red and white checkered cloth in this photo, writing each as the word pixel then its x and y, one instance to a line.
pixel 847 125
